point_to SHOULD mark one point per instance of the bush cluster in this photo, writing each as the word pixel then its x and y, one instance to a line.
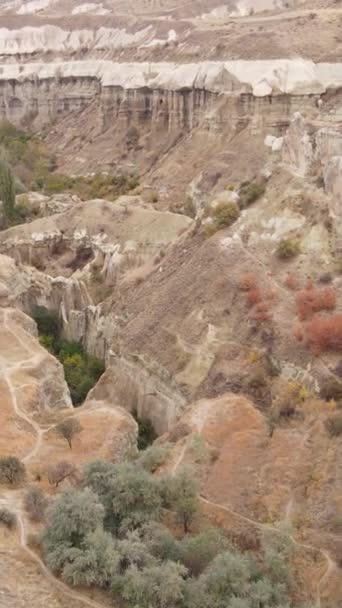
pixel 223 215
pixel 99 185
pixel 311 300
pixel 260 300
pixel 109 534
pixel 249 193
pixel 323 334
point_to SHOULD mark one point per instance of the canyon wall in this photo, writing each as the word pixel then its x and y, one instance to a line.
pixel 166 94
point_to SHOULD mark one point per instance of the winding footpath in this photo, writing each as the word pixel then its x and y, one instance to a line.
pixel 13 499
pixel 330 564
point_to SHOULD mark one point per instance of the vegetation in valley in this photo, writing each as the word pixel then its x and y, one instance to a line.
pixel 33 168
pixel 110 532
pixel 81 370
pixel 100 185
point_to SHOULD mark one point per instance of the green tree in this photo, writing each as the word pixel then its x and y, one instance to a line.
pixel 159 586
pixel 183 490
pixel 95 563
pixel 7 188
pixel 136 500
pixel 198 551
pixel 161 543
pixel 71 519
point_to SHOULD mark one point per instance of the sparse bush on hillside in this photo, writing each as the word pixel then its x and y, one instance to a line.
pixel 324 334
pixel 331 389
pixel 314 300
pixel 287 249
pixel 132 137
pixel 249 193
pixel 286 401
pixel 7 518
pixel 99 185
pixel 225 214
pixel 11 470
pixel 35 503
pixel 333 425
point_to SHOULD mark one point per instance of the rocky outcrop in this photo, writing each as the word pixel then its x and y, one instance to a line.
pixel 29 373
pixel 143 387
pixel 333 185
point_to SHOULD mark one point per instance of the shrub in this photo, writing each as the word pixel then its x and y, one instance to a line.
pixel 331 389
pixel 7 518
pixel 132 137
pixel 154 456
pixel 35 503
pixel 47 322
pixel 225 214
pixel 11 470
pixel 314 300
pixel 287 249
pixel 47 342
pixel 333 425
pixel 210 229
pixel 146 432
pixel 324 334
pixel 250 193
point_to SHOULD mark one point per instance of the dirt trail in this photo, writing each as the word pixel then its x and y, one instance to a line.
pixel 57 583
pixel 331 565
pixel 13 499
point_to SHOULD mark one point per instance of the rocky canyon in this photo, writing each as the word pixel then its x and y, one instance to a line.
pixel 171 304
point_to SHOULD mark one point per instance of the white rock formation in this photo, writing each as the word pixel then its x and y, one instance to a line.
pixel 90 7
pixel 261 77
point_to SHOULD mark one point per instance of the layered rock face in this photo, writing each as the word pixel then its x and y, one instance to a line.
pixel 168 95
